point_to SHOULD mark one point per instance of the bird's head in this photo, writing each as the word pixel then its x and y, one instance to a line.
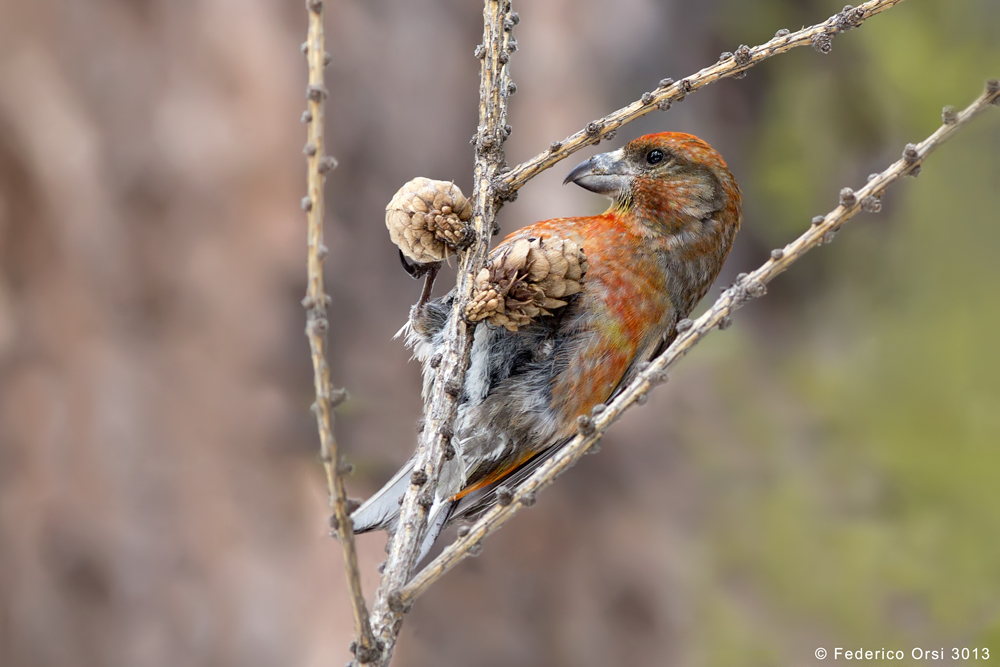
pixel 666 181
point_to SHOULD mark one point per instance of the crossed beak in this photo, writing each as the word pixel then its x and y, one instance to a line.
pixel 607 174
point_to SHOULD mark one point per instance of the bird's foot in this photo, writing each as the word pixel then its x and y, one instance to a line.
pixel 429 221
pixel 526 279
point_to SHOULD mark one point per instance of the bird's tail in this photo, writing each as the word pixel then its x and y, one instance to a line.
pixel 381 511
pixel 441 512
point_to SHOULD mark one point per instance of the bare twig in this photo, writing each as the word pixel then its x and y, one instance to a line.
pixel 748 286
pixel 442 404
pixel 315 303
pixel 733 64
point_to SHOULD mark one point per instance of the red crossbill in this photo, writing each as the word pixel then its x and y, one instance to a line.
pixel 641 267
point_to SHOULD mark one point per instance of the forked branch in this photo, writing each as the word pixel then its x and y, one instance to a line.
pixel 442 405
pixel 669 91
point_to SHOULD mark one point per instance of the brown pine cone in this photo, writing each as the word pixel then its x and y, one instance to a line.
pixel 428 220
pixel 525 279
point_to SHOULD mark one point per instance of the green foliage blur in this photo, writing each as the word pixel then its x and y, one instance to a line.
pixel 871 513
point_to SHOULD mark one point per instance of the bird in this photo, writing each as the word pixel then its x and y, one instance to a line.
pixel 648 259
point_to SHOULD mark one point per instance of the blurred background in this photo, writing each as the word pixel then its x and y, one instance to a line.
pixel 824 473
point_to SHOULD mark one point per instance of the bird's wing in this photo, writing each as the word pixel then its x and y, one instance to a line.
pixel 473 505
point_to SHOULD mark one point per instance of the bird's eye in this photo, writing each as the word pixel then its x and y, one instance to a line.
pixel 654 156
